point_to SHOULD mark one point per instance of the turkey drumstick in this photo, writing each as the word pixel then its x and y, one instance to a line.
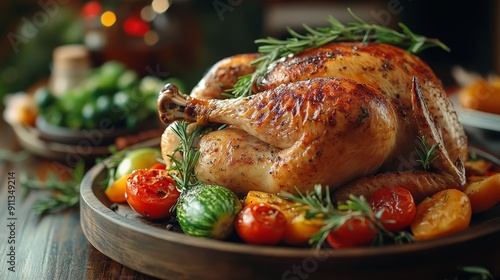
pixel 309 132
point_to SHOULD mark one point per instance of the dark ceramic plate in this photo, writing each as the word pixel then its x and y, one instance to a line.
pixel 69 145
pixel 103 135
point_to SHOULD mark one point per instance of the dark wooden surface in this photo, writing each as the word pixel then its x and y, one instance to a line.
pixel 49 247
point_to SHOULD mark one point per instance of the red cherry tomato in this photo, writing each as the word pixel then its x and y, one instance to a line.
pixel 260 223
pixel 151 192
pixel 158 166
pixel 398 207
pixel 355 232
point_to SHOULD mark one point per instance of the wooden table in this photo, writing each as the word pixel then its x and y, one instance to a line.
pixel 49 247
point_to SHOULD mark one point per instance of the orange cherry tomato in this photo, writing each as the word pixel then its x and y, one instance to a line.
pixel 484 193
pixel 445 212
pixel 260 223
pixel 299 229
pixel 151 192
pixel 116 191
pixel 397 206
pixel 355 232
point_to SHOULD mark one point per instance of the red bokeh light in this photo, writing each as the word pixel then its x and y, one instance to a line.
pixel 91 9
pixel 135 26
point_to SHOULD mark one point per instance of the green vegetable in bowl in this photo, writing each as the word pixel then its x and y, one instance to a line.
pixel 111 92
pixel 43 97
pixel 109 73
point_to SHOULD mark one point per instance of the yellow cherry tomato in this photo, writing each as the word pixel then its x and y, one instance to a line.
pixel 484 194
pixel 445 212
pixel 299 230
pixel 116 191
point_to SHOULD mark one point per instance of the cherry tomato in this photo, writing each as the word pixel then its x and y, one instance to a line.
pixel 484 194
pixel 151 192
pixel 355 232
pixel 397 205
pixel 158 166
pixel 260 223
pixel 445 212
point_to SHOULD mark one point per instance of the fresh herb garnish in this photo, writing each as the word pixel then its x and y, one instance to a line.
pixel 64 193
pixel 183 167
pixel 478 272
pixel 320 207
pixel 359 30
pixel 426 153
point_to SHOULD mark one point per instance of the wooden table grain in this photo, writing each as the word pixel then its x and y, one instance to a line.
pixel 48 247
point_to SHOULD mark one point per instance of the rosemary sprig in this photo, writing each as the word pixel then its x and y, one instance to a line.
pixel 358 30
pixel 184 175
pixel 476 272
pixel 426 153
pixel 64 194
pixel 320 207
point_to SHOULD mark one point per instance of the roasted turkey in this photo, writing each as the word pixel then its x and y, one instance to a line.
pixel 345 115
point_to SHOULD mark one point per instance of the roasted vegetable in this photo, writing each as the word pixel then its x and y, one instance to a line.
pixel 152 193
pixel 445 212
pixel 260 223
pixel 208 211
pixel 298 229
pixel 484 194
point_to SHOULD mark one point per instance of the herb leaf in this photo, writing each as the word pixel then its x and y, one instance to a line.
pixel 64 194
pixel 479 272
pixel 184 175
pixel 359 30
pixel 426 153
pixel 319 206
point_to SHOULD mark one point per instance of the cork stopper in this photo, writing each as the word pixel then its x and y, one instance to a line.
pixel 70 67
pixel 71 56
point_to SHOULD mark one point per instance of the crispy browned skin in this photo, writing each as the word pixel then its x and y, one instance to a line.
pixel 295 135
pixel 444 173
pixel 387 68
pixel 223 75
pixel 258 124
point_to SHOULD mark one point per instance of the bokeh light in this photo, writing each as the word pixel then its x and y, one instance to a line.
pixel 151 38
pixel 108 18
pixel 147 13
pixel 91 9
pixel 135 26
pixel 160 6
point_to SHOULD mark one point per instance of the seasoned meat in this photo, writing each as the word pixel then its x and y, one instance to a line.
pixel 345 115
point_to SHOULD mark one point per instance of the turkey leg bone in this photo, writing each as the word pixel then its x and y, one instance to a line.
pixel 320 131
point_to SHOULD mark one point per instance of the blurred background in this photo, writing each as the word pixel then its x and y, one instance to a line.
pixel 183 38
